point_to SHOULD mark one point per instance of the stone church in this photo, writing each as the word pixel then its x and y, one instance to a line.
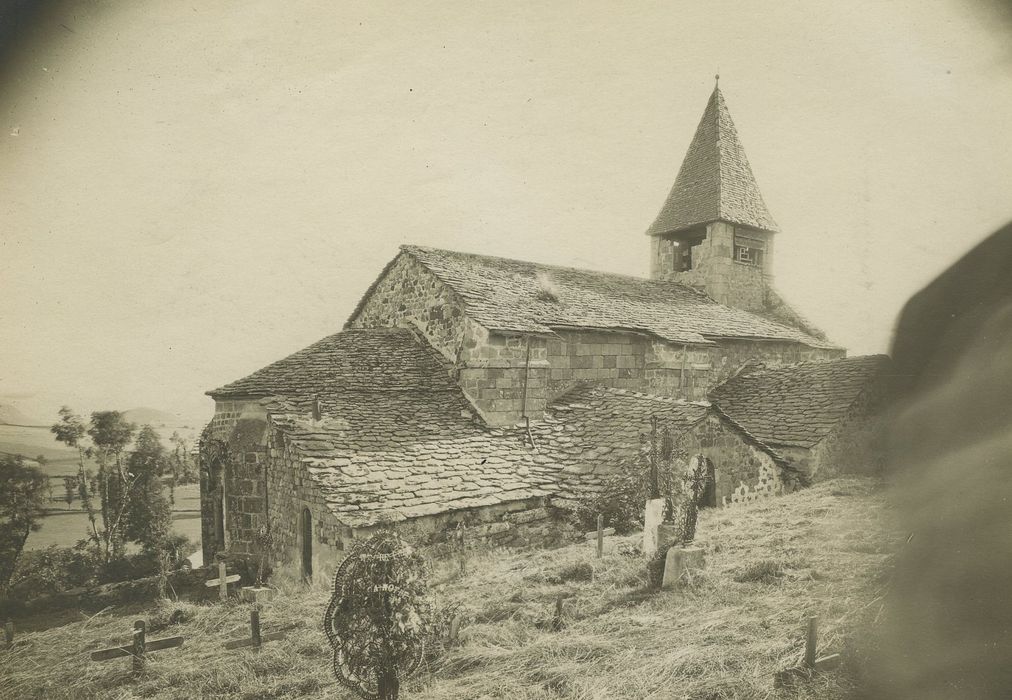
pixel 481 392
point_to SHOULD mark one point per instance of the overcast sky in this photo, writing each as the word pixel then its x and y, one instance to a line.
pixel 191 190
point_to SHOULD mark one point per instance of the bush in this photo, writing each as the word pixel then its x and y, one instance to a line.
pixel 53 570
pixel 624 493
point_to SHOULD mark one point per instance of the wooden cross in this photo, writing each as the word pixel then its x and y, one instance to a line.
pixel 222 581
pixel 811 664
pixel 256 639
pixel 9 642
pixel 138 648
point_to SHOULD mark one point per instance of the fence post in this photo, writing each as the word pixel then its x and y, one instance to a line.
pixel 254 623
pixel 600 535
pixel 138 660
pixel 813 629
pixel 9 632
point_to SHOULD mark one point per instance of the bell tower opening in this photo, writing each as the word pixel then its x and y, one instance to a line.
pixel 714 231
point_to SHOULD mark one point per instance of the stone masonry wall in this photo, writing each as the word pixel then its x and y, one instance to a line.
pixel 625 360
pixel 292 491
pixel 714 269
pixel 741 467
pixel 408 295
pixel 240 477
pixel 495 370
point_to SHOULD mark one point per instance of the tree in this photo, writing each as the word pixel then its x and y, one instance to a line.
pixel 70 430
pixel 22 505
pixel 147 519
pixel 110 434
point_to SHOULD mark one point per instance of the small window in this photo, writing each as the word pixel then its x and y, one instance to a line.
pixel 748 251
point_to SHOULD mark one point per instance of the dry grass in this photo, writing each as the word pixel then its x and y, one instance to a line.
pixel 769 566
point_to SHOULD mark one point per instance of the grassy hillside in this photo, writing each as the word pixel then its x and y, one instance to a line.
pixel 769 565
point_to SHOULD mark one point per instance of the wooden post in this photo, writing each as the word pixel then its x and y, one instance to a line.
pixel 600 535
pixel 813 629
pixel 655 491
pixel 254 624
pixel 137 649
pixel 139 646
pixel 256 638
pixel 811 664
pixel 9 633
pixel 557 620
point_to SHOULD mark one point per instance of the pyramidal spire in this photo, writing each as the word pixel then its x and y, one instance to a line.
pixel 715 182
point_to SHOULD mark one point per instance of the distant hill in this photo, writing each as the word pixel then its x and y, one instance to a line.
pixel 153 417
pixel 10 415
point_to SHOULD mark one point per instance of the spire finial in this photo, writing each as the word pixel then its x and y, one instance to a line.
pixel 716 81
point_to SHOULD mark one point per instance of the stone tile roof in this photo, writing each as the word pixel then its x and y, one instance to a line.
pixel 800 404
pixel 382 457
pixel 504 295
pixel 715 181
pixel 591 431
pixel 377 359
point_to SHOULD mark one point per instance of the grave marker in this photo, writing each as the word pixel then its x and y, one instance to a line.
pixel 376 618
pixel 222 581
pixel 137 649
pixel 256 639
pixel 811 664
pixel 600 535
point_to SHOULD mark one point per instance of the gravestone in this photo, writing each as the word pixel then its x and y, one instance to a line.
pixel 653 516
pixel 679 562
pixel 377 617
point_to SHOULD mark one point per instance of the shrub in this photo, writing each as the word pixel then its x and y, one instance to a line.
pixel 54 569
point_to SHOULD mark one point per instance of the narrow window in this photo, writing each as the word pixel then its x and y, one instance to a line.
pixel 748 251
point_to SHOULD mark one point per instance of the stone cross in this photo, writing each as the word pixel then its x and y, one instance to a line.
pixel 222 581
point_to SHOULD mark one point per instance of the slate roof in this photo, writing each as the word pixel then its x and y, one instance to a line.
pixel 800 404
pixel 590 431
pixel 376 359
pixel 396 438
pixel 503 295
pixel 390 456
pixel 715 181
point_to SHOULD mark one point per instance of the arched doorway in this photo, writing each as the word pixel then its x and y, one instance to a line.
pixel 307 545
pixel 709 497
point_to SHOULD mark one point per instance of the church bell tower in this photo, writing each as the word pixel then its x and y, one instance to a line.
pixel 714 231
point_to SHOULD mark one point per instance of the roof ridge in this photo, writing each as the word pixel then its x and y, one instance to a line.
pixel 411 247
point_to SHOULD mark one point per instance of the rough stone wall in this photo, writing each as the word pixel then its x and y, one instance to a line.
pixel 742 468
pixel 729 355
pixel 408 295
pixel 714 269
pixel 292 490
pixel 519 524
pixel 240 476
